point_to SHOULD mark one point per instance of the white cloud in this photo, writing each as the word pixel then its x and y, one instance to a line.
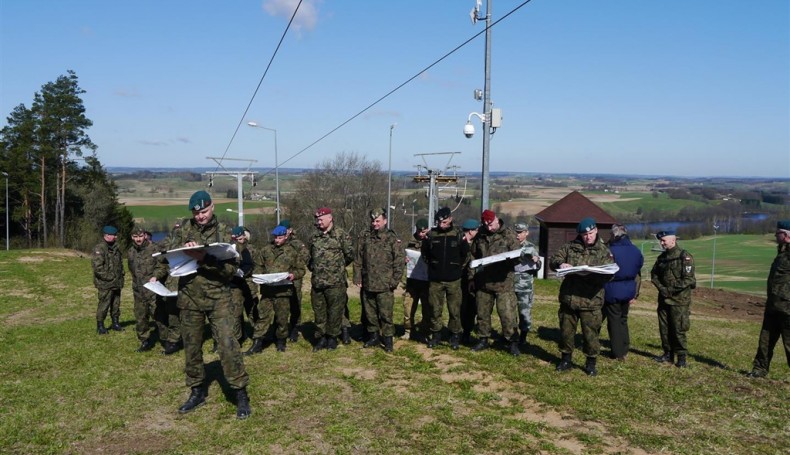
pixel 306 18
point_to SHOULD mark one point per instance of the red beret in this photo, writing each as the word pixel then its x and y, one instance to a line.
pixel 323 211
pixel 488 216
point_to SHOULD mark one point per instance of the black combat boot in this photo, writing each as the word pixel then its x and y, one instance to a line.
pixel 257 346
pixel 196 398
pixel 667 357
pixel 436 340
pixel 373 341
pixel 242 404
pixel 321 344
pixel 455 341
pixel 280 343
pixel 514 350
pixel 116 326
pixel 481 345
pixel 681 363
pixel 589 367
pixel 171 348
pixel 565 364
pixel 466 338
pixel 388 347
pixel 345 336
pixel 331 343
pixel 146 345
pixel 755 374
pixel 100 329
pixel 293 335
pixel 522 338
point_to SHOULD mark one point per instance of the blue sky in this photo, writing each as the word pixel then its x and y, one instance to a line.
pixel 678 87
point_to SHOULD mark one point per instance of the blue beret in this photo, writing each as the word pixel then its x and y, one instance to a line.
pixel 585 225
pixel 421 224
pixel 286 224
pixel 279 230
pixel 663 234
pixel 470 225
pixel 238 231
pixel 199 200
pixel 110 230
pixel 783 225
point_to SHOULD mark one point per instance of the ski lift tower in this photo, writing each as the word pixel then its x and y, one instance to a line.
pixel 434 177
pixel 240 175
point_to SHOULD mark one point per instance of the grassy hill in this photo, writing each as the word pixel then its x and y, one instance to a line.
pixel 65 389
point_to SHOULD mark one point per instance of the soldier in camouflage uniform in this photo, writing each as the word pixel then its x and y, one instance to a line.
pixel 673 276
pixel 296 299
pixel 525 272
pixel 280 256
pixel 470 229
pixel 493 283
pixel 142 267
pixel 378 268
pixel 241 286
pixel 330 252
pixel 581 295
pixel 776 319
pixel 167 313
pixel 107 263
pixel 445 253
pixel 206 294
pixel 416 289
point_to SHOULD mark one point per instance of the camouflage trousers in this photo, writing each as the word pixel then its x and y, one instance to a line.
pixel 378 312
pixel 262 317
pixel 144 312
pixel 591 321
pixel 775 324
pixel 167 319
pixel 329 305
pixel 221 319
pixel 109 300
pixel 506 307
pixel 416 294
pixel 295 305
pixel 438 292
pixel 673 324
pixel 523 285
pixel 281 307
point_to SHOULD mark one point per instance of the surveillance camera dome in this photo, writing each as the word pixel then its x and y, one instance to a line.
pixel 469 130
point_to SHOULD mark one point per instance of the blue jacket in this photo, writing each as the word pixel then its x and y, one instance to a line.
pixel 625 284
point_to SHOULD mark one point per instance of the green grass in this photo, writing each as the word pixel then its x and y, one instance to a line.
pixel 169 214
pixel 631 201
pixel 64 389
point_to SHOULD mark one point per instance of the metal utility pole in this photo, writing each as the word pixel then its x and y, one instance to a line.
pixel 239 178
pixel 389 180
pixel 434 177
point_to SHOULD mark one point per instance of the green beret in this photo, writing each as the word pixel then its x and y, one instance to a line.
pixel 110 230
pixel 783 225
pixel 421 224
pixel 666 233
pixel 199 201
pixel 586 225
pixel 470 225
pixel 238 231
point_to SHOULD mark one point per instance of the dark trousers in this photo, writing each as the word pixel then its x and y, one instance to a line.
pixel 775 324
pixel 616 316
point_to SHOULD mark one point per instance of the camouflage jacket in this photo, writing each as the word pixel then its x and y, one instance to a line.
pixel 577 291
pixel 673 276
pixel 304 252
pixel 497 276
pixel 142 265
pixel 379 261
pixel 526 269
pixel 276 259
pixel 211 283
pixel 330 253
pixel 779 282
pixel 107 265
pixel 246 266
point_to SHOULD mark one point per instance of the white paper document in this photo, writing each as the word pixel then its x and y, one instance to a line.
pixel 181 264
pixel 415 268
pixel 272 279
pixel 160 289
pixel 608 269
pixel 495 258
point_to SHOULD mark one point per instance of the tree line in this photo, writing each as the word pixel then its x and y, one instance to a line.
pixel 58 192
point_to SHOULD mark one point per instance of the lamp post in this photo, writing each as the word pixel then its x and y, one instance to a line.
pixel 389 179
pixel 276 167
pixel 713 259
pixel 5 174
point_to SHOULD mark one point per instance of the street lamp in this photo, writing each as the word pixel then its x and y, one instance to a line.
pixel 5 174
pixel 389 179
pixel 276 167
pixel 713 260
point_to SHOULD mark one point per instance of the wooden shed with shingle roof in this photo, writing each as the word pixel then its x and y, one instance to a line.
pixel 558 223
